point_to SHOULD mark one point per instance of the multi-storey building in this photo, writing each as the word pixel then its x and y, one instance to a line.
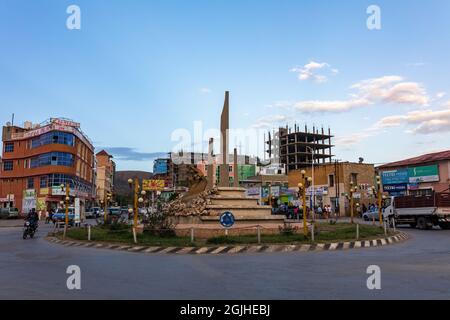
pixel 106 169
pixel 39 159
pixel 296 149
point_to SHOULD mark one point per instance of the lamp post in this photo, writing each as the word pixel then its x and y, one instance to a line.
pixel 67 199
pixel 352 190
pixel 136 200
pixel 313 194
pixel 302 189
pixel 380 209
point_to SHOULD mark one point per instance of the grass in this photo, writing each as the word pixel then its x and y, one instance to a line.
pixel 325 233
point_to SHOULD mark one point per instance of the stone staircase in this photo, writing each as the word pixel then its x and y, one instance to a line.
pixel 245 209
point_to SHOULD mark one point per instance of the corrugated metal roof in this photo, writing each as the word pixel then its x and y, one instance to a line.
pixel 423 159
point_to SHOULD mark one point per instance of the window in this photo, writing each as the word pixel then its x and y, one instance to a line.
pixel 30 183
pixel 55 137
pixel 331 180
pixel 52 159
pixel 9 147
pixel 8 166
pixel 44 182
pixel 354 179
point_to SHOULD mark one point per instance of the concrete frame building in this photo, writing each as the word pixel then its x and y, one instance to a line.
pixel 299 149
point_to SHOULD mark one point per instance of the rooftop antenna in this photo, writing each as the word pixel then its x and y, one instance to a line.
pixel 12 120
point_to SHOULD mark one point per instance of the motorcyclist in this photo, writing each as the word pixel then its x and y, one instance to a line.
pixel 32 217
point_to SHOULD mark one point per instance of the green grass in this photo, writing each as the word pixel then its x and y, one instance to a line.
pixel 326 233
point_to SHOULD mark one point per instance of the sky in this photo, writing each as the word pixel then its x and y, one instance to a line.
pixel 140 75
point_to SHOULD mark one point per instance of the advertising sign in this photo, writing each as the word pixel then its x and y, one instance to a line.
pixel 255 191
pixel 43 191
pixel 423 174
pixel 29 194
pixel 28 204
pixel 153 185
pixel 395 188
pixel 395 176
pixel 275 191
pixel 77 211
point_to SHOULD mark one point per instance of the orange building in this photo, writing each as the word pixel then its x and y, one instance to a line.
pixel 106 169
pixel 38 159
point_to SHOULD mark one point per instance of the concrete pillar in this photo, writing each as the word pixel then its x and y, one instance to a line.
pixel 210 171
pixel 235 170
pixel 224 133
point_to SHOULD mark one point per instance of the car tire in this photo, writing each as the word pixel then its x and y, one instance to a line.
pixel 422 223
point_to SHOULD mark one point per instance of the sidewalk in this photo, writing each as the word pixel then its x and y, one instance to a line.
pixel 11 223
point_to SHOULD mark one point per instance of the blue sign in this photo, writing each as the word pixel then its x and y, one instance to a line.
pixel 227 219
pixel 396 189
pixel 395 176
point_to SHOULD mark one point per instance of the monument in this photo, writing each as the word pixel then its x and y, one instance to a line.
pixel 224 134
pixel 203 205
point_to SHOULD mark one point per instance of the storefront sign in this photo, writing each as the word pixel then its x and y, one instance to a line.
pixel 395 188
pixel 395 176
pixel 44 191
pixel 29 194
pixel 264 192
pixel 153 185
pixel 275 191
pixel 424 174
pixel 255 191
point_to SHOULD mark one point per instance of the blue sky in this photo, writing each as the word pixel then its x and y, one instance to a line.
pixel 138 70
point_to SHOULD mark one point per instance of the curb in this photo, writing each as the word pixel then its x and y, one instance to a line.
pixel 335 246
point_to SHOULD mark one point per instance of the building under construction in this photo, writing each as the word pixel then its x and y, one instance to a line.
pixel 299 149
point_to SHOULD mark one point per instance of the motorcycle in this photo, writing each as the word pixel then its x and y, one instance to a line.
pixel 29 229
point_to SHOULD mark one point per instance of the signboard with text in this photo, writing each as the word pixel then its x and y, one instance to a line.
pixel 395 176
pixel 153 185
pixel 424 174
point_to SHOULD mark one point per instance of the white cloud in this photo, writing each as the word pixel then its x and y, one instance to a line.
pixel 205 90
pixel 440 95
pixel 425 121
pixel 392 89
pixel 385 90
pixel 330 106
pixel 269 121
pixel 310 71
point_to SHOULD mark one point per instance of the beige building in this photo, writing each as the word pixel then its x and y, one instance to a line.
pixel 106 169
pixel 332 183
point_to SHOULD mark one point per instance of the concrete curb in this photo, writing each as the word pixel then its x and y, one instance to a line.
pixel 335 246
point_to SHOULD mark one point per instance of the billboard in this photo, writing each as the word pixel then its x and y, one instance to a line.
pixel 153 185
pixel 395 176
pixel 424 174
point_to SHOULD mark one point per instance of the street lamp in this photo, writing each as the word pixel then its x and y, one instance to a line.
pixel 136 200
pixel 302 188
pixel 313 194
pixel 67 199
pixel 380 209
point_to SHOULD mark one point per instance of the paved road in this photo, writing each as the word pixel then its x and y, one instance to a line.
pixel 418 268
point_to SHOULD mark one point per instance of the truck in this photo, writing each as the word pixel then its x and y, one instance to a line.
pixel 423 211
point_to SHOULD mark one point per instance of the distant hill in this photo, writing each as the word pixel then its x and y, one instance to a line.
pixel 121 186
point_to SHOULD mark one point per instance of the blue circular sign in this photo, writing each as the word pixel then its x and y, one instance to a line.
pixel 227 219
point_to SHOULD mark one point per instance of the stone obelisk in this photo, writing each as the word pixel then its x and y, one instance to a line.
pixel 235 169
pixel 224 130
pixel 210 170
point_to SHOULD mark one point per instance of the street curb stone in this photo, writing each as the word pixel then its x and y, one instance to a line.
pixel 231 250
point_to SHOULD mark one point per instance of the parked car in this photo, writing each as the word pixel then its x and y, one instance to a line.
pixel 371 215
pixel 114 211
pixel 93 213
pixel 60 215
pixel 9 213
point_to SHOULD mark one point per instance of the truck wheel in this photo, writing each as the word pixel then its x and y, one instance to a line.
pixel 444 226
pixel 422 223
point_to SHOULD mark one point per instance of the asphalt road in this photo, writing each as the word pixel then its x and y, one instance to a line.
pixel 35 269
